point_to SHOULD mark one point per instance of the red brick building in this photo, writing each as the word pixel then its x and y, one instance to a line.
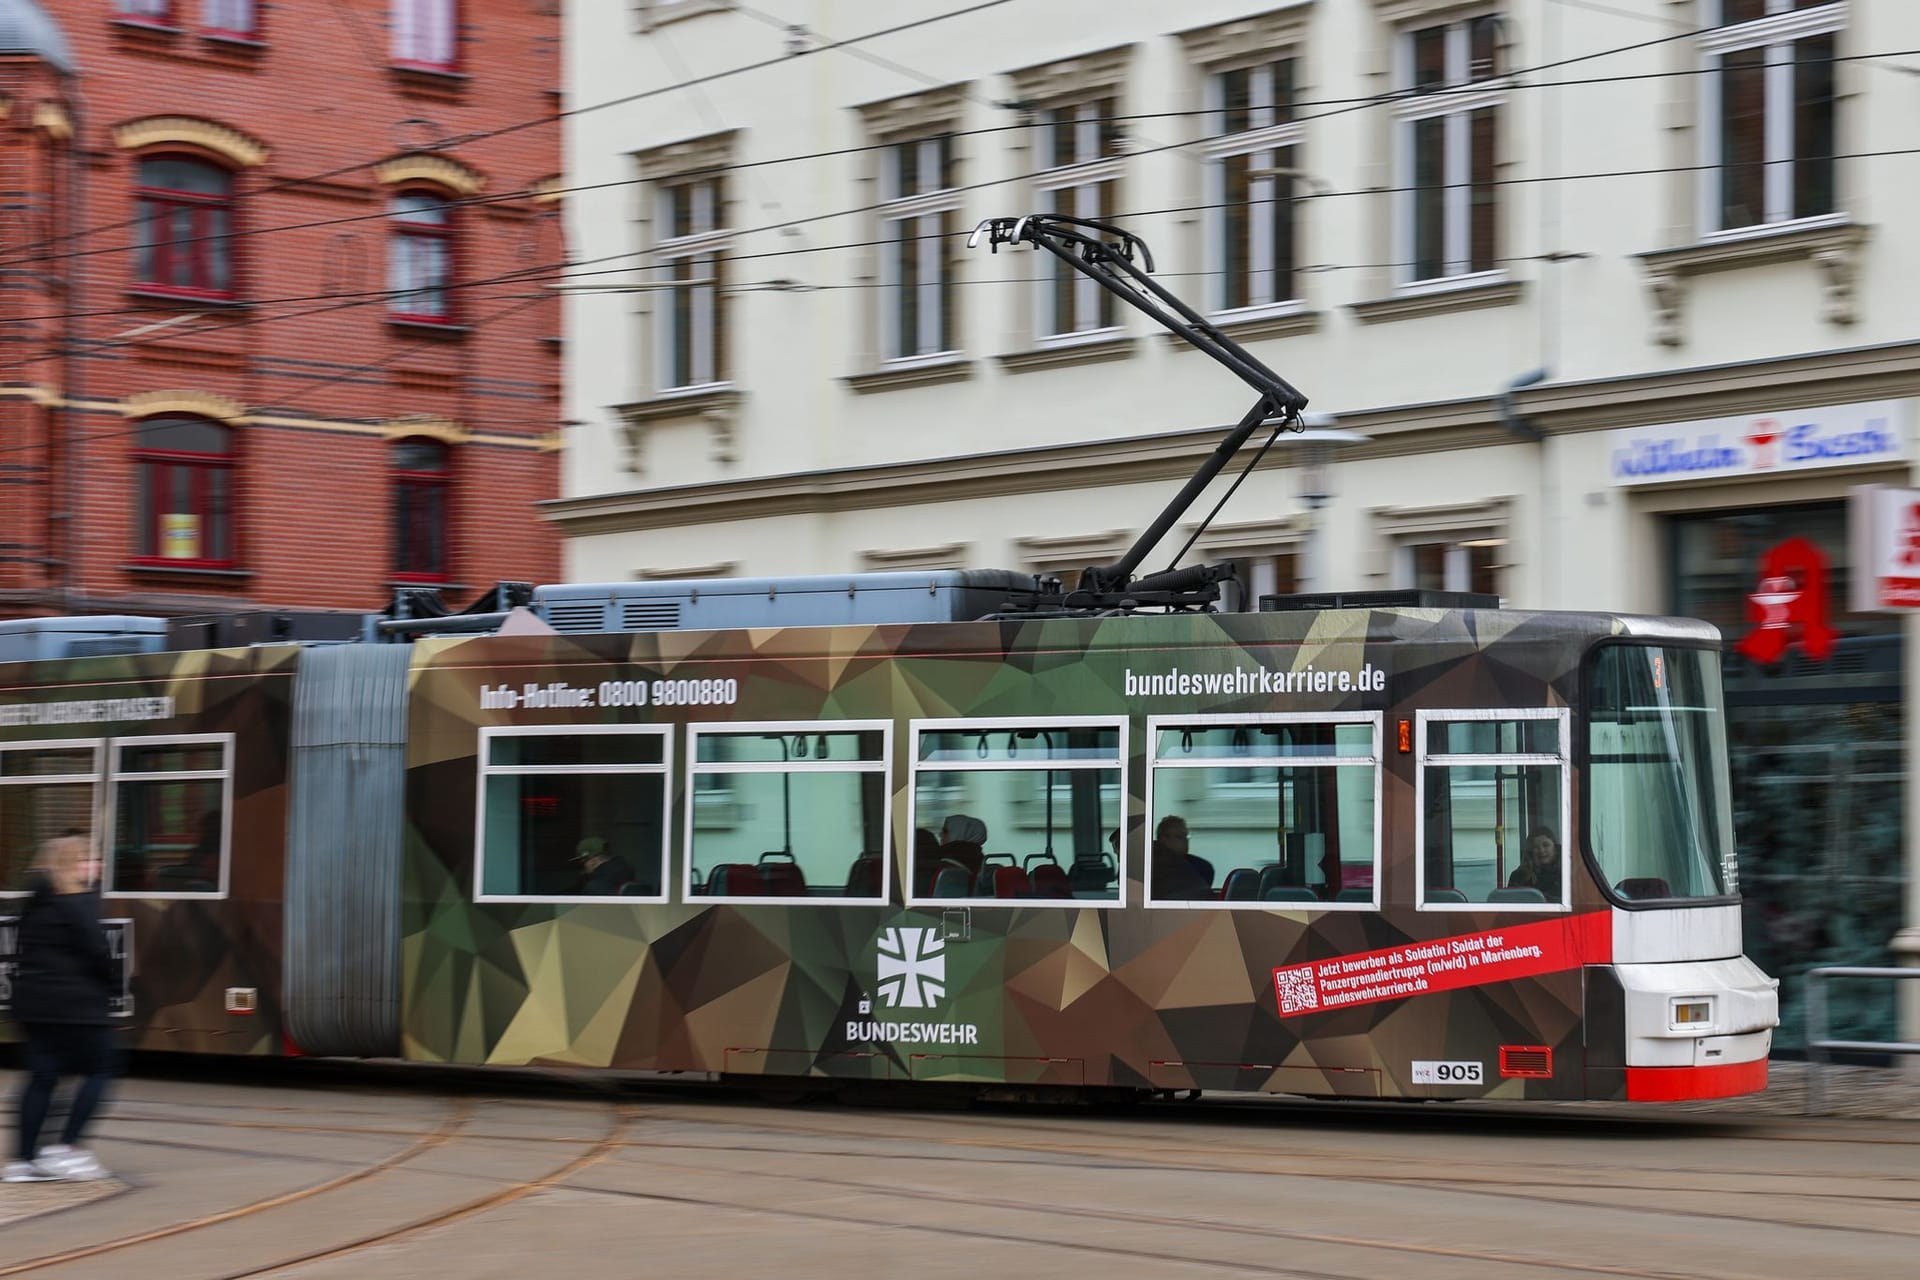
pixel 274 319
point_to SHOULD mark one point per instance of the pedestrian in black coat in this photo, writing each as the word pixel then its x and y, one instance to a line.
pixel 62 984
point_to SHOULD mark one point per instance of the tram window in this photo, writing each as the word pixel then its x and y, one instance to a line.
pixel 1494 810
pixel 804 814
pixel 171 801
pixel 1263 811
pixel 574 813
pixel 1658 811
pixel 47 791
pixel 1018 809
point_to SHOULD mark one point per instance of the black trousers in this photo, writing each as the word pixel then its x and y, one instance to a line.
pixel 53 1050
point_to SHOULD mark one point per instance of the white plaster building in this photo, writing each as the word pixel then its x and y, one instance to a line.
pixel 1672 211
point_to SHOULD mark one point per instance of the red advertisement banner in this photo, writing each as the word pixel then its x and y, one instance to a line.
pixel 1445 964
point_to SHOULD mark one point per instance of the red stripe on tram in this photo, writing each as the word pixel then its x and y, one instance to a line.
pixel 1680 1084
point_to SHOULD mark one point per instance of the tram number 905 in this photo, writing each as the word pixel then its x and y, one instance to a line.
pixel 1447 1073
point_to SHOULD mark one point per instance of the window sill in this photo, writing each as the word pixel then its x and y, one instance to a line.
pixel 139 30
pixel 429 328
pixel 1833 246
pixel 160 568
pixel 437 82
pixel 1066 353
pixel 227 42
pixel 184 299
pixel 658 13
pixel 1439 301
pixel 717 406
pixel 910 374
pixel 1274 324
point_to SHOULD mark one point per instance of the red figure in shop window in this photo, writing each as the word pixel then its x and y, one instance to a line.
pixel 1790 604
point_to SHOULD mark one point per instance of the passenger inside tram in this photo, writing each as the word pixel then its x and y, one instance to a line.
pixel 1539 865
pixel 1177 872
pixel 600 872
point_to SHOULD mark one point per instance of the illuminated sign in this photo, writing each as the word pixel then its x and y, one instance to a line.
pixel 1788 605
pixel 1764 444
pixel 1883 528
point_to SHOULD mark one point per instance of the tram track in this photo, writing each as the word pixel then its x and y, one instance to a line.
pixel 1155 1141
pixel 525 1187
pixel 1201 1226
pixel 450 1125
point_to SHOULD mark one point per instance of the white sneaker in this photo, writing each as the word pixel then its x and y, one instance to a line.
pixel 30 1171
pixel 71 1163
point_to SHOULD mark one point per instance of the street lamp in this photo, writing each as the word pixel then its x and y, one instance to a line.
pixel 1314 448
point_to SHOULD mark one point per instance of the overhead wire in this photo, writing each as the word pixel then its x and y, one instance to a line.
pixel 563 269
pixel 1341 105
pixel 1339 108
pixel 473 136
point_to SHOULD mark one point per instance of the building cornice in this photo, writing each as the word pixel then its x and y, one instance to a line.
pixel 931 112
pixel 1865 373
pixel 1087 75
pixel 1254 37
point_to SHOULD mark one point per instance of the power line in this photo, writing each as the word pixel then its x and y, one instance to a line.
pixel 462 139
pixel 564 270
pixel 347 375
pixel 1356 103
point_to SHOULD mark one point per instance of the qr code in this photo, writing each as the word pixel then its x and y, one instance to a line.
pixel 1298 990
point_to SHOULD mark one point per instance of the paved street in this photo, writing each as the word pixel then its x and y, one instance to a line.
pixel 415 1175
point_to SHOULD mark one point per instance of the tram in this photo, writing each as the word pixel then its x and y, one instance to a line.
pixel 970 828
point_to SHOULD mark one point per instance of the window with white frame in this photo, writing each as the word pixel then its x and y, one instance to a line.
pixel 1449 564
pixel 689 264
pixel 1446 126
pixel 47 790
pixel 1018 809
pixel 1493 809
pixel 171 801
pixel 809 812
pixel 918 231
pixel 573 811
pixel 1265 810
pixel 1078 162
pixel 1768 109
pixel 1253 150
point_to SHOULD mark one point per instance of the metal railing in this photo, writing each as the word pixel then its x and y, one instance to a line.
pixel 1818 1046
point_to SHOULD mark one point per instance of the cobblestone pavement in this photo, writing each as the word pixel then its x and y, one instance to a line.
pixel 1860 1093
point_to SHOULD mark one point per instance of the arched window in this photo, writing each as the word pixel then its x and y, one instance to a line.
pixel 421 472
pixel 185 504
pixel 186 218
pixel 420 258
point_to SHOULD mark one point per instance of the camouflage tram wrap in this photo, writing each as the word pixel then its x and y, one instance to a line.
pixel 1360 852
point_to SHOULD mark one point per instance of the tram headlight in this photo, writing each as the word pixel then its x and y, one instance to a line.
pixel 1689 1013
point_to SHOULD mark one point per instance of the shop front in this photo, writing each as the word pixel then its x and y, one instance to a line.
pixel 1752 517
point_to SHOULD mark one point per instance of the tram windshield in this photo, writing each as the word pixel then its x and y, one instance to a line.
pixel 1659 821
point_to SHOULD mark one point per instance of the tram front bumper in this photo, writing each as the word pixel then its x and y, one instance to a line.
pixel 1693 1029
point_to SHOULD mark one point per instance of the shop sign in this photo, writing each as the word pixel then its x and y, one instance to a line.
pixel 1788 605
pixel 1765 444
pixel 1883 528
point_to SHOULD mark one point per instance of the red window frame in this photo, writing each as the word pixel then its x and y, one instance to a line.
pixel 440 233
pixel 406 41
pixel 203 247
pixel 208 27
pixel 156 472
pixel 420 514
